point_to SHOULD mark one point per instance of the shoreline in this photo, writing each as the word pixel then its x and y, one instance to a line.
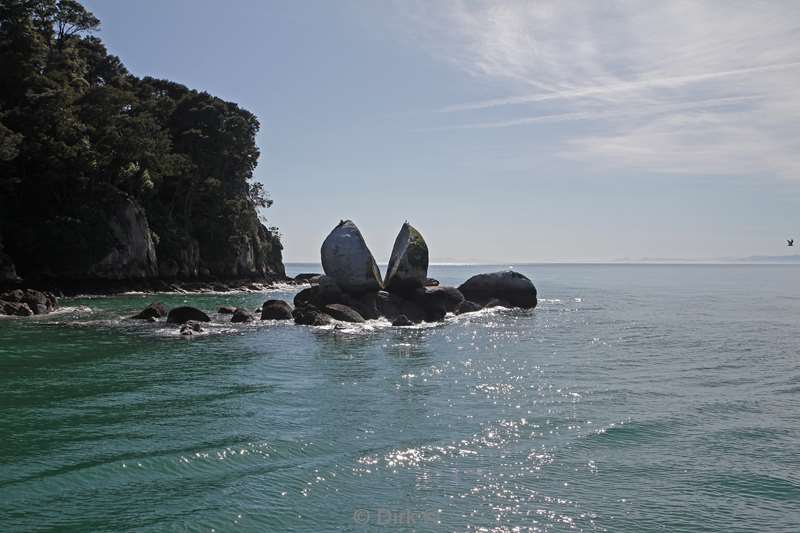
pixel 107 287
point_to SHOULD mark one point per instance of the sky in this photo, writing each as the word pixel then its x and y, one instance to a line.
pixel 504 131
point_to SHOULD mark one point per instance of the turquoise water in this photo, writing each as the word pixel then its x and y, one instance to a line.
pixel 634 398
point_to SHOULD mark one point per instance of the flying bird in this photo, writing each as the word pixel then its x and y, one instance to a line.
pixel 789 242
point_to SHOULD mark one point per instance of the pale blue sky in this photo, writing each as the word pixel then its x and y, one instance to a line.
pixel 505 132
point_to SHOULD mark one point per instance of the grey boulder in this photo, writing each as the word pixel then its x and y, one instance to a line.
pixel 276 310
pixel 181 315
pixel 343 313
pixel 347 259
pixel 310 316
pixel 242 315
pixel 508 286
pixel 408 264
pixel 154 310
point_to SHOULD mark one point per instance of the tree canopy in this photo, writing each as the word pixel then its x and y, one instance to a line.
pixel 74 124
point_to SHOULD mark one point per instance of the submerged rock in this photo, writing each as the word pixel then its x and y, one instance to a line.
pixel 191 327
pixel 509 286
pixel 183 314
pixel 226 310
pixel 347 259
pixel 408 265
pixel 276 310
pixel 467 307
pixel 154 310
pixel 310 316
pixel 402 321
pixel 242 315
pixel 343 313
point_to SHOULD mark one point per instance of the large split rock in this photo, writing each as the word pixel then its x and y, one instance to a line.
pixel 408 265
pixel 507 286
pixel 347 259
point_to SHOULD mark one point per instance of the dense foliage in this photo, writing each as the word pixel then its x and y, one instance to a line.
pixel 78 132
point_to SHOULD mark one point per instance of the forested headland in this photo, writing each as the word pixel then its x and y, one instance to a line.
pixel 107 176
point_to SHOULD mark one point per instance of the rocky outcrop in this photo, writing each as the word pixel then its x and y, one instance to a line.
pixel 508 286
pixel 408 265
pixel 154 310
pixel 276 310
pixel 26 302
pixel 347 260
pixel 181 315
pixel 15 308
pixel 104 238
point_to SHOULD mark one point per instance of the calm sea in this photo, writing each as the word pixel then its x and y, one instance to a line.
pixel 634 398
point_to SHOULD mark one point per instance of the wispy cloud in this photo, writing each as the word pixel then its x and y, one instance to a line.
pixel 679 87
pixel 632 86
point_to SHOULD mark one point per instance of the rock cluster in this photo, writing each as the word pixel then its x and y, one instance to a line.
pixel 27 302
pixel 352 290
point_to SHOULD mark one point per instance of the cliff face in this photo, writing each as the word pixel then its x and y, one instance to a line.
pixel 110 238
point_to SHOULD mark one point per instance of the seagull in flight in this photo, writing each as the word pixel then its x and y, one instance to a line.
pixel 789 242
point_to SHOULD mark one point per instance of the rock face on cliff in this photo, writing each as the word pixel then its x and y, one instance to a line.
pixel 8 272
pixel 109 238
pixel 346 258
pixel 131 252
pixel 408 265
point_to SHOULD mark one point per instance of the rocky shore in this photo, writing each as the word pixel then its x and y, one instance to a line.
pixel 352 290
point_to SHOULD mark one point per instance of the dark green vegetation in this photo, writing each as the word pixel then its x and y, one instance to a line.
pixel 104 175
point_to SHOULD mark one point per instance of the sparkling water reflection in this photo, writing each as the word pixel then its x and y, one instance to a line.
pixel 634 398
